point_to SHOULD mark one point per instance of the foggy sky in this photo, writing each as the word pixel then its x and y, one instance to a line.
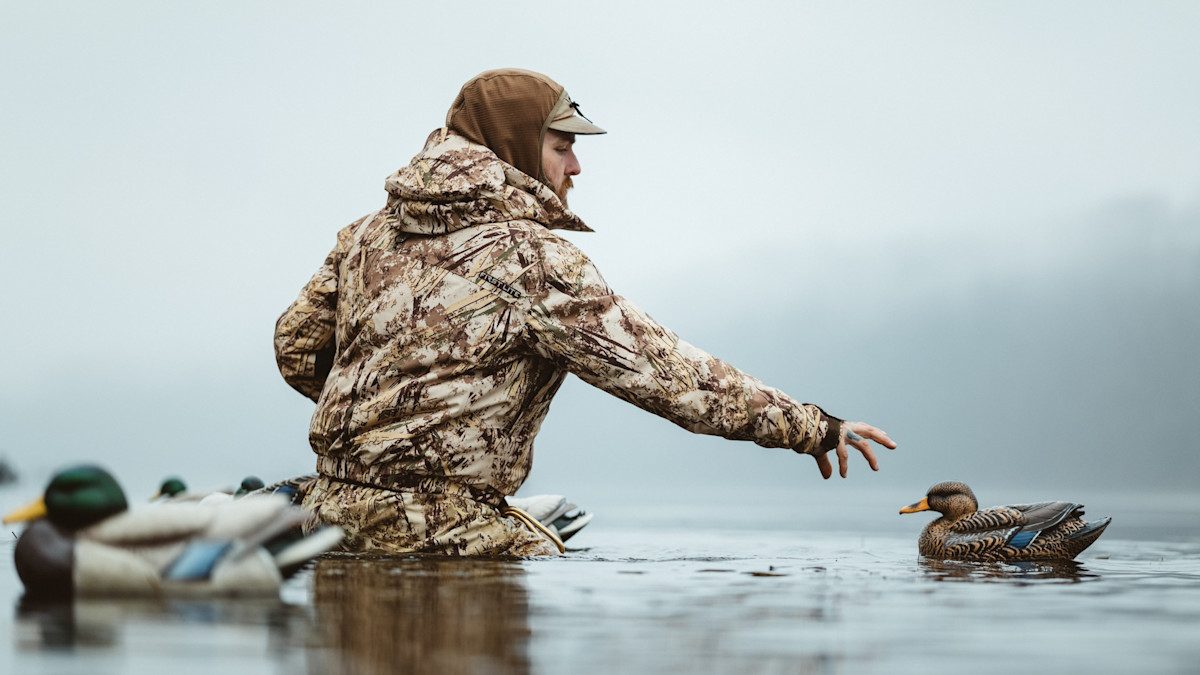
pixel 976 226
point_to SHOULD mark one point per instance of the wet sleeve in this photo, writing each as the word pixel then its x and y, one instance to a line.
pixel 608 342
pixel 304 334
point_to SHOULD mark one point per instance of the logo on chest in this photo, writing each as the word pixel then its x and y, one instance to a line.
pixel 502 286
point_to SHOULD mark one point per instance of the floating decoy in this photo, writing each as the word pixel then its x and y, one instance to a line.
pixel 84 540
pixel 173 489
pixel 249 484
pixel 1019 532
pixel 555 512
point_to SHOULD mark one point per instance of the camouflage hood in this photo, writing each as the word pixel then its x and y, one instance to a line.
pixel 453 184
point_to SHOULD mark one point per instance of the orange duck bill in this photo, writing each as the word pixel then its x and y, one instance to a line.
pixel 922 505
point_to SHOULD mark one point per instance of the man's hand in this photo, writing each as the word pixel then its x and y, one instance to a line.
pixel 856 434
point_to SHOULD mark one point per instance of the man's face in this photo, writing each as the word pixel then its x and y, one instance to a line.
pixel 559 162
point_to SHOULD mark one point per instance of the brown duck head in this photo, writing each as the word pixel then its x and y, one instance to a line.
pixel 951 498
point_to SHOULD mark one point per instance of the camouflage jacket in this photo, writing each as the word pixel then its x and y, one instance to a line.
pixel 439 328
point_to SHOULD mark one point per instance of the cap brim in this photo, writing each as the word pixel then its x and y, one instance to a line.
pixel 576 125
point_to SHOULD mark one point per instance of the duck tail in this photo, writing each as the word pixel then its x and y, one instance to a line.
pixel 294 554
pixel 1091 530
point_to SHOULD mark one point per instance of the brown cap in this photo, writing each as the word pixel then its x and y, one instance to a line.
pixel 509 110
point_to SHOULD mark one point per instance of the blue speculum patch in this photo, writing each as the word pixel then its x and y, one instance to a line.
pixel 197 561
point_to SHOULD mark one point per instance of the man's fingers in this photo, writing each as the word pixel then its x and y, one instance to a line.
pixel 859 435
pixel 865 448
pixel 878 435
pixel 843 456
pixel 824 466
pixel 867 453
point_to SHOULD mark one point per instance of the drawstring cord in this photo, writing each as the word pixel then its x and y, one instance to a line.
pixel 534 525
pixel 579 112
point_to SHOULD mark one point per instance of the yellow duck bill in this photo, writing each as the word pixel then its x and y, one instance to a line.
pixel 31 511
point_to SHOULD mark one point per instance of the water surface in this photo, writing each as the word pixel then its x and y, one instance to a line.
pixel 653 599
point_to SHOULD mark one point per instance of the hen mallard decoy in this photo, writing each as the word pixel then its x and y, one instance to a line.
pixel 83 540
pixel 1020 532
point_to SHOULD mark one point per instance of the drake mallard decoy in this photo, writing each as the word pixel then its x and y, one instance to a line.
pixel 249 484
pixel 83 540
pixel 174 489
pixel 1042 531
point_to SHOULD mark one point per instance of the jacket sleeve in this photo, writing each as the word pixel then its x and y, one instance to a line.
pixel 606 340
pixel 305 334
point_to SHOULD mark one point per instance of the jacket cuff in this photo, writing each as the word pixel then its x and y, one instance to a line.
pixel 830 428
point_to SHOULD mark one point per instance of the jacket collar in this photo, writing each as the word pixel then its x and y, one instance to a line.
pixel 453 183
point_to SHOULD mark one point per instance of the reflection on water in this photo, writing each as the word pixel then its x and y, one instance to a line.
pixel 652 600
pixel 1063 571
pixel 158 631
pixel 52 625
pixel 425 614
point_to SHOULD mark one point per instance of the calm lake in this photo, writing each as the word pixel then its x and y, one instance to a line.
pixel 662 596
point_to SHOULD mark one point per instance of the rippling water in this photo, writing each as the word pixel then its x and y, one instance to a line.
pixel 654 600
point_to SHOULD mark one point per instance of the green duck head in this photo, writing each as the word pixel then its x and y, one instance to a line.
pixel 249 484
pixel 170 487
pixel 952 499
pixel 76 498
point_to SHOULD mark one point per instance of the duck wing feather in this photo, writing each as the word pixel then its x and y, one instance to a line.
pixel 982 534
pixel 160 532
pixel 158 524
pixel 988 520
pixel 977 545
pixel 1045 515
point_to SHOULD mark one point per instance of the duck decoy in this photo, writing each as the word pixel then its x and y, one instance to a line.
pixel 555 512
pixel 84 540
pixel 173 489
pixel 1019 532
pixel 249 484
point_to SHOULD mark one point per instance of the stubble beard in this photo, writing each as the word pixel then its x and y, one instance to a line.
pixel 566 185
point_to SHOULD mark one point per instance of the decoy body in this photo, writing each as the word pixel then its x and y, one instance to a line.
pixel 555 512
pixel 83 540
pixel 1019 532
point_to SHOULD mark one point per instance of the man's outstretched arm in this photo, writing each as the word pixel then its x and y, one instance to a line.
pixel 612 344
